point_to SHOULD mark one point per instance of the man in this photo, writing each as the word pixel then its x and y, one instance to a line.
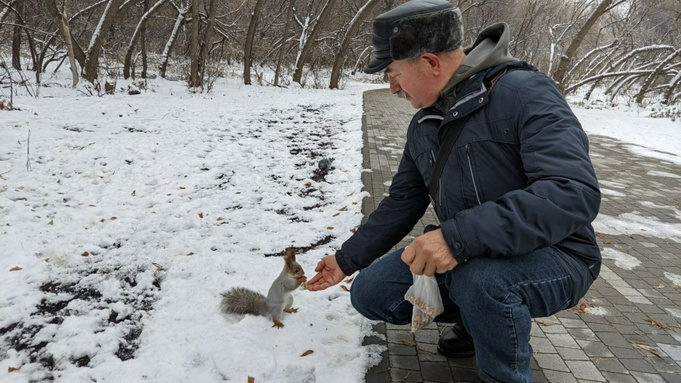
pixel 515 198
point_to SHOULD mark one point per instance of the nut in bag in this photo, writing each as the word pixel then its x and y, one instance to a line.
pixel 424 294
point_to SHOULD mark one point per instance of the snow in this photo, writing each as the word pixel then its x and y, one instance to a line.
pixel 138 211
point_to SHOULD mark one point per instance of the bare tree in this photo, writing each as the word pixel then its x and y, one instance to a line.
pixel 306 46
pixel 16 35
pixel 663 66
pixel 283 42
pixel 571 52
pixel 354 25
pixel 194 78
pixel 165 55
pixel 136 35
pixel 248 45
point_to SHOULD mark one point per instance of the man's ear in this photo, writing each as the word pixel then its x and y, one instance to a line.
pixel 434 62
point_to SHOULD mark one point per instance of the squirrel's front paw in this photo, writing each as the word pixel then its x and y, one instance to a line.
pixel 291 310
pixel 277 324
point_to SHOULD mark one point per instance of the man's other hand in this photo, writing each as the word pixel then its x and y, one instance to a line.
pixel 429 254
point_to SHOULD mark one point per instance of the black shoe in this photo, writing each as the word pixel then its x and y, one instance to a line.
pixel 455 342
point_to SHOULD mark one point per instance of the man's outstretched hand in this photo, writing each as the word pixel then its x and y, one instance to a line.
pixel 429 254
pixel 328 274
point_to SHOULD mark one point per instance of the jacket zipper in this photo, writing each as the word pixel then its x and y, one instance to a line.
pixel 439 186
pixel 470 167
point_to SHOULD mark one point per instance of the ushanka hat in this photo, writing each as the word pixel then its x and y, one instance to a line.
pixel 414 28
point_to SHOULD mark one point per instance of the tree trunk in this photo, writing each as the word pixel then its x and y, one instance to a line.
pixel 194 79
pixel 139 31
pixel 654 75
pixel 282 48
pixel 143 42
pixel 90 70
pixel 356 22
pixel 61 21
pixel 78 52
pixel 169 44
pixel 16 35
pixel 307 48
pixel 571 52
pixel 205 44
pixel 248 48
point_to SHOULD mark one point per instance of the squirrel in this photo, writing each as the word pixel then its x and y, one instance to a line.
pixel 240 300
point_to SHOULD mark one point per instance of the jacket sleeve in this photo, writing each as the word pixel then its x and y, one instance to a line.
pixel 394 218
pixel 562 193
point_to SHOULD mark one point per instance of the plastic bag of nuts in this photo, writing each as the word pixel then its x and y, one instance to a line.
pixel 424 294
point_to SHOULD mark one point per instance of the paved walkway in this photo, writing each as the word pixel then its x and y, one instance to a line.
pixel 629 327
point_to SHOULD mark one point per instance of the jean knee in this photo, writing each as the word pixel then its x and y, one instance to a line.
pixel 376 299
pixel 360 294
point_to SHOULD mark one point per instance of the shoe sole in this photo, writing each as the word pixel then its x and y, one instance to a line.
pixel 456 355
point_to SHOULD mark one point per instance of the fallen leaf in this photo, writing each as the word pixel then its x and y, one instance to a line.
pixel 220 219
pixel 51 222
pixel 329 228
pixel 190 253
pixel 134 193
pixel 182 187
pixel 660 324
pixel 102 220
pixel 408 343
pixel 15 268
pixel 113 218
pixel 308 184
pixel 85 254
pixel 344 208
pixel 581 309
pixel 661 286
pixel 92 206
pixel 158 267
pixel 251 379
pixel 650 349
pixel 336 215
pixel 200 215
pixel 428 351
pixel 306 353
pixel 344 288
pixel 607 241
pixel 354 229
pixel 12 369
pixel 546 323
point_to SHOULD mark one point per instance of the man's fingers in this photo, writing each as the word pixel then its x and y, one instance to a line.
pixel 429 269
pixel 408 255
pixel 318 287
pixel 314 279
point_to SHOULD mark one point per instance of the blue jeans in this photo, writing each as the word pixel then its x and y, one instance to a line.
pixel 494 298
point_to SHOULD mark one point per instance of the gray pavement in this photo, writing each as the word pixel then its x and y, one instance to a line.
pixel 627 329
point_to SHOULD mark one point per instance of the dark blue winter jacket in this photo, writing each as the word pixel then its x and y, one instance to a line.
pixel 519 177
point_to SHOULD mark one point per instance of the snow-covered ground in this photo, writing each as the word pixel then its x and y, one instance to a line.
pixel 123 218
pixel 138 211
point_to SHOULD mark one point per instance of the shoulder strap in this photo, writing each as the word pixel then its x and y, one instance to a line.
pixel 448 141
pixel 450 138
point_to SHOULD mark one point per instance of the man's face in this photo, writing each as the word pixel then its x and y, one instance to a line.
pixel 414 80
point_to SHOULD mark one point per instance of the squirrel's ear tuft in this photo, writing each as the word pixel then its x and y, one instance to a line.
pixel 290 255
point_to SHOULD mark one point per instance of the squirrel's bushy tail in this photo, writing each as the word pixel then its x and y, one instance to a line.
pixel 240 300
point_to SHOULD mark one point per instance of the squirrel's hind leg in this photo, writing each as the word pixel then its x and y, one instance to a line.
pixel 288 302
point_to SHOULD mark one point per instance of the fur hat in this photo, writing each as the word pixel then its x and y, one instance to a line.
pixel 414 28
